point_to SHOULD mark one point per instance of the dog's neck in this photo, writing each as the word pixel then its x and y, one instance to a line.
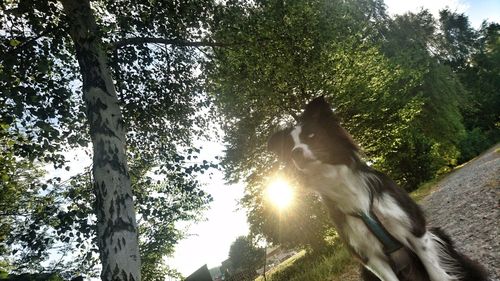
pixel 345 187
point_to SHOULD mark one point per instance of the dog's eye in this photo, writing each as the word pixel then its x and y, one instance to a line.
pixel 310 136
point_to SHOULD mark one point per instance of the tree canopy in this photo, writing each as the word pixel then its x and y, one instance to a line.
pixel 394 83
pixel 244 255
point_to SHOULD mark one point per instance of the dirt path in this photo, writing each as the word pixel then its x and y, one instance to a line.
pixel 466 204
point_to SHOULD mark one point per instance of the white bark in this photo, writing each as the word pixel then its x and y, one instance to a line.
pixel 116 223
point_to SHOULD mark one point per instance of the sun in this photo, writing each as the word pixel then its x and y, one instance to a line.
pixel 280 193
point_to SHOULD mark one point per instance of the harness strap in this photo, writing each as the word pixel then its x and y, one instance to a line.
pixel 389 243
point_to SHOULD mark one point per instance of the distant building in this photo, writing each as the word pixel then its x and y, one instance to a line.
pixel 228 273
pixel 201 274
pixel 216 273
pixel 226 266
pixel 246 275
pixel 274 256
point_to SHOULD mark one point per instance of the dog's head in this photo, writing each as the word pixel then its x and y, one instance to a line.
pixel 318 138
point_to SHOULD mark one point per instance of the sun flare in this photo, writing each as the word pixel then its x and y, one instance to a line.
pixel 280 193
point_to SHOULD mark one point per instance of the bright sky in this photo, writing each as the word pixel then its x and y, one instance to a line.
pixel 476 10
pixel 211 239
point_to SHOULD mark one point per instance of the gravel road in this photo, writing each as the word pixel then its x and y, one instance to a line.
pixel 466 204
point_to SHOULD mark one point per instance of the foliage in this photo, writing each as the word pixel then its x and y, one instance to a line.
pixel 472 145
pixel 36 76
pixel 432 137
pixel 34 277
pixel 244 256
pixel 42 110
pixel 480 78
pixel 458 39
pixel 486 66
pixel 393 95
pixel 474 56
pixel 161 207
pixel 22 207
pixel 413 156
pixel 39 78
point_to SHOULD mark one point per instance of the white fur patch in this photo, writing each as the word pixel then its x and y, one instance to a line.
pixel 344 187
pixel 382 269
pixel 432 252
pixel 298 144
pixel 360 237
pixel 392 217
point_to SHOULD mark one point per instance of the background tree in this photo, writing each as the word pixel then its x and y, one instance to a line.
pixel 457 40
pixel 244 256
pixel 481 116
pixel 384 77
pixel 429 144
pixel 156 92
pixel 474 57
pixel 21 205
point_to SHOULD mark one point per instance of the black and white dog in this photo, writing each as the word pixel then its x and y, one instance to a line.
pixel 380 224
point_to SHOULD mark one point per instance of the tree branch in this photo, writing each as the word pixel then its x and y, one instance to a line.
pixel 176 42
pixel 31 40
pixel 13 214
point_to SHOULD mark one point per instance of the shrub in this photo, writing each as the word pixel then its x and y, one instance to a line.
pixel 475 142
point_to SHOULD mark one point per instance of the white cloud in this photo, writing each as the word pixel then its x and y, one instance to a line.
pixel 400 7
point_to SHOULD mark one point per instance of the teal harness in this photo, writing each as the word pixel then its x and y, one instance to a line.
pixel 389 243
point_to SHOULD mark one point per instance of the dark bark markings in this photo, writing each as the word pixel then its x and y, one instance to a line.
pixel 116 222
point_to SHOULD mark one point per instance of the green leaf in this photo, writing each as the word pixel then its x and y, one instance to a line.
pixel 14 42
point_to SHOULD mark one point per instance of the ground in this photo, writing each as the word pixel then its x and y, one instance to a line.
pixel 466 204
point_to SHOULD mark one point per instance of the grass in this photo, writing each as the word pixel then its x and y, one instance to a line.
pixel 312 267
pixel 337 264
pixel 426 188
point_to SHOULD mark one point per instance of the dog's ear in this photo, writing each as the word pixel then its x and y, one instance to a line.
pixel 281 144
pixel 316 109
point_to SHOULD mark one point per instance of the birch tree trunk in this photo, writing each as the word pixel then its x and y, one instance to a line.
pixel 116 224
